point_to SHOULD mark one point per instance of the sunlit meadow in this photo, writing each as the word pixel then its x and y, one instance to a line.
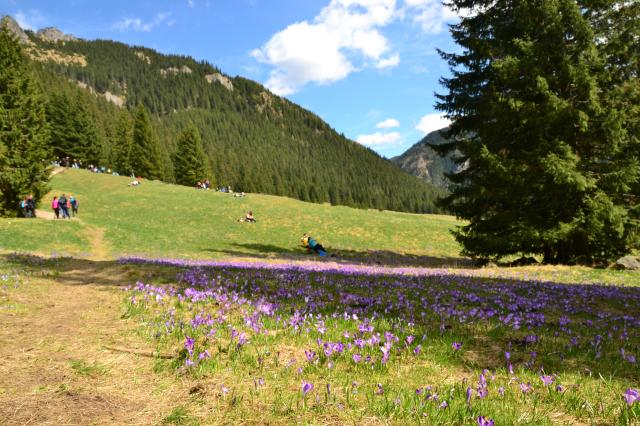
pixel 341 344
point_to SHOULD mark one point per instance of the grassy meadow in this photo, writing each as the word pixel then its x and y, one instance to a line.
pixel 235 323
pixel 157 219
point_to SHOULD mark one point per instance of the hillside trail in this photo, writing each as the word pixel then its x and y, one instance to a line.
pixel 99 248
pixel 56 368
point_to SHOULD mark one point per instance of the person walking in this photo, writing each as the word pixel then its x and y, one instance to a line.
pixel 74 205
pixel 55 205
pixel 23 207
pixel 31 206
pixel 62 202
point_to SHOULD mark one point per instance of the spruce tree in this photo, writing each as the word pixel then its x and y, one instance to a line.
pixel 121 144
pixel 88 148
pixel 73 130
pixel 145 157
pixel 190 160
pixel 23 131
pixel 540 146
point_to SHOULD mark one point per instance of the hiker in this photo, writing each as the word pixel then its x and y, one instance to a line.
pixel 74 205
pixel 23 207
pixel 31 206
pixel 312 245
pixel 62 202
pixel 248 218
pixel 55 205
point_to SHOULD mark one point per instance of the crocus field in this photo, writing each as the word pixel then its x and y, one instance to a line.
pixel 322 343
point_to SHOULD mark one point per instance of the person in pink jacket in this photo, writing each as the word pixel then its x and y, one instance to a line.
pixel 55 205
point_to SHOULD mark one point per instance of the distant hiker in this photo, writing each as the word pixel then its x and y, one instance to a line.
pixel 312 245
pixel 23 207
pixel 73 203
pixel 31 206
pixel 55 205
pixel 62 202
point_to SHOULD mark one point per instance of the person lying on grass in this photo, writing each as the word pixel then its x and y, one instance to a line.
pixel 312 245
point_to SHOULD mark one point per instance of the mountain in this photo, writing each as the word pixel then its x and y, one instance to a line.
pixel 255 141
pixel 14 28
pixel 422 161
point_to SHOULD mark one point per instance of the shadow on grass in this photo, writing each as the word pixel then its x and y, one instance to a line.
pixel 368 257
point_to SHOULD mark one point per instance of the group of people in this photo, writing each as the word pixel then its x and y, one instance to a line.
pixel 28 207
pixel 67 207
pixel 204 184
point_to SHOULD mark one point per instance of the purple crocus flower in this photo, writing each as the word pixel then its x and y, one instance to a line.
pixel 485 421
pixel 188 345
pixel 417 350
pixel 456 346
pixel 310 355
pixel 444 404
pixel 357 358
pixel 631 396
pixel 526 387
pixel 469 393
pixel 306 388
pixel 547 379
pixel 379 389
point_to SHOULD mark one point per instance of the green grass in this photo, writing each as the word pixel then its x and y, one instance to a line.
pixel 158 219
pixel 43 236
pixel 88 369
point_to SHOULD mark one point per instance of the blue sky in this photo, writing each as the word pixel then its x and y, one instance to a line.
pixel 367 67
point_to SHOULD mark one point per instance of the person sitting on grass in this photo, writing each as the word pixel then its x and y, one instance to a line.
pixel 248 218
pixel 312 245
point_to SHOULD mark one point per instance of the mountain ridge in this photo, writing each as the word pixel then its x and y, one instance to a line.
pixel 424 162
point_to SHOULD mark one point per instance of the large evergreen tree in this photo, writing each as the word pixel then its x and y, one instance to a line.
pixel 121 143
pixel 190 162
pixel 541 137
pixel 73 131
pixel 23 131
pixel 144 157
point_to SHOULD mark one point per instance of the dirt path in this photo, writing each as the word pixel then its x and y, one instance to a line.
pixel 99 247
pixel 55 368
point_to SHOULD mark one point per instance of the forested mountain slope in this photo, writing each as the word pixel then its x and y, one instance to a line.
pixel 254 141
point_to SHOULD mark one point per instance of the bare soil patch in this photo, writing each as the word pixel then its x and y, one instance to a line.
pixel 68 321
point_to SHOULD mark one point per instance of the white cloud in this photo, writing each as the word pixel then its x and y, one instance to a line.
pixel 389 62
pixel 379 139
pixel 137 24
pixel 30 20
pixel 432 122
pixel 325 50
pixel 388 123
pixel 431 15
